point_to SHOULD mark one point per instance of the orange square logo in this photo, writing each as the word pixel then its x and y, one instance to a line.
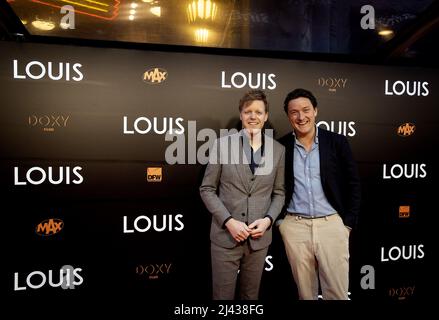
pixel 404 211
pixel 154 174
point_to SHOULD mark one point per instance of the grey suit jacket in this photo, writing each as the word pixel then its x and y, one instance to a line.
pixel 230 189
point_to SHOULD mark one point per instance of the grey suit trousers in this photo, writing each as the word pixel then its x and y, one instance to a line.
pixel 225 266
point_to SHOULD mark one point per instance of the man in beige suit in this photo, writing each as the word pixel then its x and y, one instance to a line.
pixel 243 188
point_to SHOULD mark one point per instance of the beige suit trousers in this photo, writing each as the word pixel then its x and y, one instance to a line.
pixel 318 249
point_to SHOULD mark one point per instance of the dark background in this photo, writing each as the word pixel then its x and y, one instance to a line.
pixel 114 169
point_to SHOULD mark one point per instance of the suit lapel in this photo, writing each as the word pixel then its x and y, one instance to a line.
pixel 266 166
pixel 242 169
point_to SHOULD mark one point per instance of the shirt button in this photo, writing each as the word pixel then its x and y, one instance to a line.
pixel 249 195
pixel 243 214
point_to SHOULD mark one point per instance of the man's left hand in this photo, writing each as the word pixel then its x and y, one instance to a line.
pixel 258 227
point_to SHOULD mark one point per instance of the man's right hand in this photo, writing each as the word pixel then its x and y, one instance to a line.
pixel 239 230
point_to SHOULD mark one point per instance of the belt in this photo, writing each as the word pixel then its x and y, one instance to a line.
pixel 310 217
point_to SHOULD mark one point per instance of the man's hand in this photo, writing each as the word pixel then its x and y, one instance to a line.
pixel 258 227
pixel 239 230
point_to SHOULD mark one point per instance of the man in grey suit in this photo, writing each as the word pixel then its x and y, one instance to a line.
pixel 243 188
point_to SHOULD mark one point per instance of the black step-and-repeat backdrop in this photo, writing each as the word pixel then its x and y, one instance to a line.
pixel 98 201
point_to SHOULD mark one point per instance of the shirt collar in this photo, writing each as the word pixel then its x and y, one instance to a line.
pixel 245 138
pixel 316 138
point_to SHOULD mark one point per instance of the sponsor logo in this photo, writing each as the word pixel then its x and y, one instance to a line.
pixel 409 171
pixel 158 223
pixel 153 271
pixel 404 211
pixel 66 278
pixel 49 227
pixel 402 293
pixel 251 80
pixel 409 252
pixel 332 83
pixel 154 174
pixel 38 175
pixel 155 75
pixel 48 123
pixel 406 129
pixel 345 128
pixel 37 70
pixel 144 125
pixel 410 88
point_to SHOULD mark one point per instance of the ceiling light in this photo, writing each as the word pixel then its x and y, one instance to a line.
pixel 43 25
pixel 385 32
pixel 157 11
pixel 201 9
pixel 201 35
pixel 134 5
pixel 131 17
pixel 132 11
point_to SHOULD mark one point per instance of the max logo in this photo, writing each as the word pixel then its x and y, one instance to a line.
pixel 155 75
pixel 49 227
pixel 406 129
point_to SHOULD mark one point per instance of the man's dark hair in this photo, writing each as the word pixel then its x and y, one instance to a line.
pixel 251 96
pixel 299 93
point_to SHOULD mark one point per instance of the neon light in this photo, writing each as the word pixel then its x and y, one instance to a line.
pixel 84 5
pixel 102 4
pixel 114 14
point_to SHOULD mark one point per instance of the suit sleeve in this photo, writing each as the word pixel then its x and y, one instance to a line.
pixel 209 187
pixel 352 185
pixel 278 194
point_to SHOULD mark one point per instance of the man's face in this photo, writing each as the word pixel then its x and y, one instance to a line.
pixel 302 116
pixel 253 116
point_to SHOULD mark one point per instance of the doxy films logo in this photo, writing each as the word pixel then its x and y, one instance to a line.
pixel 332 83
pixel 48 123
pixel 402 293
pixel 153 270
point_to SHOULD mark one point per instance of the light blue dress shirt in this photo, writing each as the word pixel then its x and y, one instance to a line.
pixel 308 197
